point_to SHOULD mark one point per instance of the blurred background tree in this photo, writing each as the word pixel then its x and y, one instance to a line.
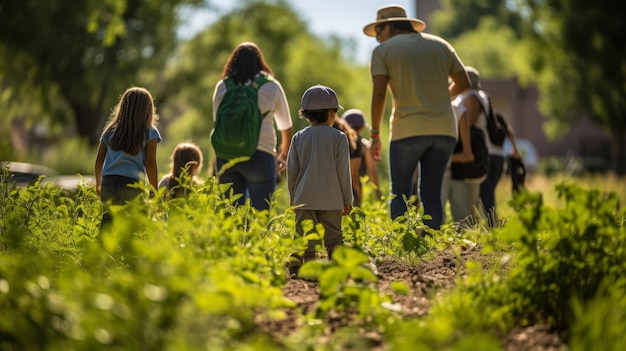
pixel 63 66
pixel 68 67
pixel 570 49
pixel 67 63
pixel 580 65
pixel 298 58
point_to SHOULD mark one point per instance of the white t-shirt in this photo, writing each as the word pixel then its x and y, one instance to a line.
pixel 271 98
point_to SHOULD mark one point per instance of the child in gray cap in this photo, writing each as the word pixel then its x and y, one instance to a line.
pixel 318 173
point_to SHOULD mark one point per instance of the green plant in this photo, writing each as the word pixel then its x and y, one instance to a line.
pixel 347 284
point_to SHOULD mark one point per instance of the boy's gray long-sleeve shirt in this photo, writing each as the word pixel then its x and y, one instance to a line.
pixel 318 169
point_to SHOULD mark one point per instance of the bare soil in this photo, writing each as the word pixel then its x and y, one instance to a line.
pixel 424 278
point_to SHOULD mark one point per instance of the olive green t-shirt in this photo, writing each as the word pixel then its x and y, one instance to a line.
pixel 418 66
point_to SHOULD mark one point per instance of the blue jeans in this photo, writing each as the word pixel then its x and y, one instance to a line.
pixel 488 188
pixel 255 179
pixel 431 154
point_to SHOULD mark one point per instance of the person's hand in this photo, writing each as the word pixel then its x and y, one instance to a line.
pixel 281 163
pixel 347 208
pixel 465 156
pixel 375 149
pixel 516 154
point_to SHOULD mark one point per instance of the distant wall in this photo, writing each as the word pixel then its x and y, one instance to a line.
pixel 519 106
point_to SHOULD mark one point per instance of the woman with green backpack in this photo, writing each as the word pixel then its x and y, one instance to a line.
pixel 247 101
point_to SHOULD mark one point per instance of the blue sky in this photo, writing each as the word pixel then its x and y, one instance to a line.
pixel 345 18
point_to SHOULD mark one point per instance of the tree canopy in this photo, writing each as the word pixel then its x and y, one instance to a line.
pixel 570 49
pixel 66 65
pixel 298 58
pixel 581 64
pixel 69 62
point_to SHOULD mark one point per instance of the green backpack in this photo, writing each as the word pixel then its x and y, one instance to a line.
pixel 238 120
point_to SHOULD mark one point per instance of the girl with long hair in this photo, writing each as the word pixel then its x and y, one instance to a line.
pixel 186 161
pixel 127 150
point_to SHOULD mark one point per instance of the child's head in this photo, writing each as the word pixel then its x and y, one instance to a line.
pixel 318 104
pixel 474 77
pixel 355 118
pixel 133 114
pixel 186 156
pixel 135 108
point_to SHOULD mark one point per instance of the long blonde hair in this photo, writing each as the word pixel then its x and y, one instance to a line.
pixel 130 119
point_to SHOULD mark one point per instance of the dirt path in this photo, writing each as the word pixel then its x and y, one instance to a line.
pixel 439 272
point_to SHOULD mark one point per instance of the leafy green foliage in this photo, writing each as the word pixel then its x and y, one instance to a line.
pixel 580 53
pixel 561 261
pixel 346 284
pixel 567 253
pixel 200 273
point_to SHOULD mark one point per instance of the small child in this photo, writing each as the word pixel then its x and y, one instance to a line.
pixel 127 150
pixel 186 159
pixel 318 172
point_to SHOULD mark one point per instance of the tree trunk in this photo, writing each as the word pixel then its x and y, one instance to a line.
pixel 89 121
pixel 619 151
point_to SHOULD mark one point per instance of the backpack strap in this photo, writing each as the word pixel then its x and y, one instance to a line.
pixel 490 108
pixel 256 83
pixel 229 83
pixel 259 81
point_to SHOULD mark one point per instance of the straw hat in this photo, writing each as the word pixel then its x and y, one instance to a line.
pixel 392 13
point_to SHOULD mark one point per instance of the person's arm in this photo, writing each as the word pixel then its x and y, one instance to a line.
pixel 460 83
pixel 281 159
pixel 347 208
pixel 151 163
pixel 282 118
pixel 342 155
pixel 370 166
pixel 474 108
pixel 102 152
pixel 293 169
pixel 355 166
pixel 466 154
pixel 379 97
pixel 511 134
pixel 218 94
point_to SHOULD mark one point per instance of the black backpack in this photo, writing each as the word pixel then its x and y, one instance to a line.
pixel 477 168
pixel 496 126
pixel 238 120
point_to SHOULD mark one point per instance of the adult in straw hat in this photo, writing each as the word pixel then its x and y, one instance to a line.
pixel 416 67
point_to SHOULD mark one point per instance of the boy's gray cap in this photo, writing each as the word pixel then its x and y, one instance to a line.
pixel 319 97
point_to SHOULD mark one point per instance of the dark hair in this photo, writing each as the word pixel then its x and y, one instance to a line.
pixel 404 26
pixel 318 116
pixel 245 62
